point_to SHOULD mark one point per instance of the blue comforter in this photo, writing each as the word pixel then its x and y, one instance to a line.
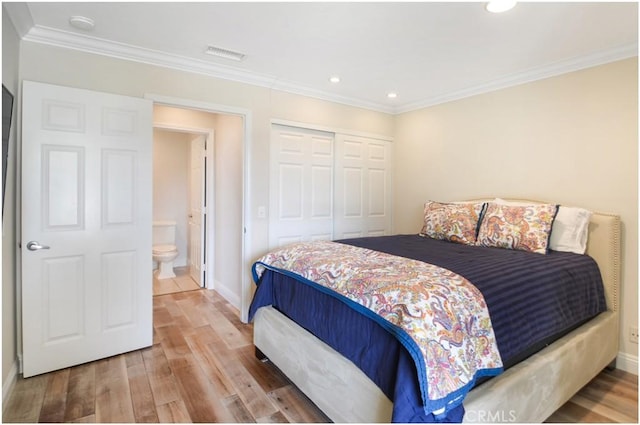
pixel 533 299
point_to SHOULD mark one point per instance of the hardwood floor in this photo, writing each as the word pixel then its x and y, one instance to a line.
pixel 202 368
pixel 612 396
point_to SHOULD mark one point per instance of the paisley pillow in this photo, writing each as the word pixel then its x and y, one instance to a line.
pixel 521 227
pixel 456 222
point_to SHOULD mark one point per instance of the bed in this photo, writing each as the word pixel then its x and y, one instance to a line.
pixel 529 391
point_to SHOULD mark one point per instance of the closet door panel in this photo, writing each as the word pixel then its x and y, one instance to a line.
pixel 301 195
pixel 363 187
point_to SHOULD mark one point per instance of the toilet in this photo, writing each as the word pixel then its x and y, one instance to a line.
pixel 164 248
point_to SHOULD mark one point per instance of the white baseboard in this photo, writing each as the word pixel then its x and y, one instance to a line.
pixel 228 295
pixel 627 362
pixel 8 383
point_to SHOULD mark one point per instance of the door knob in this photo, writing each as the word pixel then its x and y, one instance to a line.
pixel 35 246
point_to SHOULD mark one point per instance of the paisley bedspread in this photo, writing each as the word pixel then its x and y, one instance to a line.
pixel 439 317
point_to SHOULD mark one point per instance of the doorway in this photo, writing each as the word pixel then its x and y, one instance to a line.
pixel 225 163
pixel 180 178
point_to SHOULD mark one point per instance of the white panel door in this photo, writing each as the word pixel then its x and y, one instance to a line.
pixel 86 226
pixel 195 252
pixel 363 187
pixel 301 194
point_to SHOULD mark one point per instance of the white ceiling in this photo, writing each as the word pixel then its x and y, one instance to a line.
pixel 426 52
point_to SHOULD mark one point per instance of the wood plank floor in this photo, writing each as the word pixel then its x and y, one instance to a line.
pixel 612 396
pixel 202 368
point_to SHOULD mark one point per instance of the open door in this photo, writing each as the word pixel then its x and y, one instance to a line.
pixel 197 208
pixel 86 226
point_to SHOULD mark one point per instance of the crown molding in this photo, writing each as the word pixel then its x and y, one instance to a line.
pixel 332 97
pixel 69 40
pixel 530 75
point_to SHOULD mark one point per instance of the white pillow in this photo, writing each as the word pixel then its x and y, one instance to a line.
pixel 570 230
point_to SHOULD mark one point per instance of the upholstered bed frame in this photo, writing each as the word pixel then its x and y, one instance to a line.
pixel 527 392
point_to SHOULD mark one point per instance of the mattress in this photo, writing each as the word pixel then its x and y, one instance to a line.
pixel 532 299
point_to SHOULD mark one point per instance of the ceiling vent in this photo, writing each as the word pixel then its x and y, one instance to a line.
pixel 224 53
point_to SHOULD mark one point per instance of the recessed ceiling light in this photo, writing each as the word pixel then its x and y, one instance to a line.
pixel 82 23
pixel 224 53
pixel 334 79
pixel 499 6
pixel 392 95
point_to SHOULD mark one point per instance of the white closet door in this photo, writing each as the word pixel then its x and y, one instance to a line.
pixel 363 187
pixel 301 195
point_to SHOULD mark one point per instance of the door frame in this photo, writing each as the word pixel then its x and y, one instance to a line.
pixel 247 119
pixel 210 211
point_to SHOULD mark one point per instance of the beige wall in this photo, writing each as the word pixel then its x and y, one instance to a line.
pixel 571 139
pixel 228 206
pixel 171 152
pixel 10 60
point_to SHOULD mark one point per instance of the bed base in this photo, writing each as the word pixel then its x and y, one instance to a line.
pixel 527 392
pixel 345 394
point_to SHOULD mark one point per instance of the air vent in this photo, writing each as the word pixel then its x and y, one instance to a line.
pixel 224 53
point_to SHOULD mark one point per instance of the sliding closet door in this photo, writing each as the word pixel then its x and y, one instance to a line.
pixel 301 193
pixel 363 187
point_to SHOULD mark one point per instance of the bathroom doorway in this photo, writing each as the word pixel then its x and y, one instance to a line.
pixel 180 176
pixel 224 225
